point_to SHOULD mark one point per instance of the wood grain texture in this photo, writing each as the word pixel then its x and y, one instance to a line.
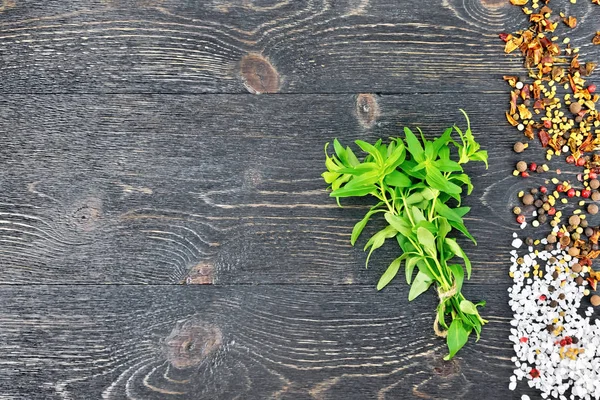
pixel 220 189
pixel 257 342
pixel 304 46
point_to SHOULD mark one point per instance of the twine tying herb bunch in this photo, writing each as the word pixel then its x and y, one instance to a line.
pixel 418 186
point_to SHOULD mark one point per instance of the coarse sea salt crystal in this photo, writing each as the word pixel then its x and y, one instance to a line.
pixel 517 243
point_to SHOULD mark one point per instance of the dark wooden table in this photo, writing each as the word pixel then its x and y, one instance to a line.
pixel 164 231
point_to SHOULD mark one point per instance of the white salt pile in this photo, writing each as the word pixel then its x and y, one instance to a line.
pixel 557 350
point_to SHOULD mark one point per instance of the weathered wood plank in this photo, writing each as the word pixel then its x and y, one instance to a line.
pixel 223 189
pixel 251 342
pixel 307 46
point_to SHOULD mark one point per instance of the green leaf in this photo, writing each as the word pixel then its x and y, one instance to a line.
pixel 447 212
pixel 340 151
pixel 462 228
pixel 468 308
pixel 417 215
pixel 481 155
pixel 353 192
pixel 400 224
pixel 459 275
pixel 360 168
pixel 398 179
pixel 410 267
pixel 352 159
pixel 443 227
pixel 360 225
pixel 329 176
pixel 456 249
pixel 414 146
pixel 436 180
pixel 416 197
pixel 396 158
pixel 378 239
pixel 462 211
pixel 442 141
pixel 427 239
pixel 448 166
pixel 419 285
pixel 390 273
pixel 457 337
pixel 372 150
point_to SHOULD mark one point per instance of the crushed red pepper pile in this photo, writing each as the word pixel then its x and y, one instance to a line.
pixel 556 105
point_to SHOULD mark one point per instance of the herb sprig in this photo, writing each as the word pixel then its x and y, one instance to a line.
pixel 418 186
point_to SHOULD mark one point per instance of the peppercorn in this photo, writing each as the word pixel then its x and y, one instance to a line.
pixel 560 188
pixel 575 107
pixel 551 289
pixel 594 184
pixel 570 159
pixel 576 268
pixel 561 296
pixel 595 300
pixel 541 211
pixel 519 147
pixel 542 218
pixel 550 327
pixel 527 199
pixel 553 303
pixel 595 246
pixel 538 203
pixel 575 236
pixel 521 166
pixel 540 169
pixel 579 280
pixel 589 232
pixel 578 118
pixel 596 195
pixel 586 193
pixel 517 210
pixel 593 175
pixel 574 220
pixel 544 199
pixel 551 211
pixel 591 88
pixel 571 192
pixel 543 189
pixel 529 241
pixel 584 223
pixel 551 238
pixel 580 162
pixel 549 247
pixel 532 167
pixel 565 241
pixel 592 209
pixel 520 219
pixel 574 340
pixel 525 174
pixel 573 251
pixel 554 275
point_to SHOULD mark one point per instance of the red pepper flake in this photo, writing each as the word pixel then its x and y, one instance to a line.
pixel 505 36
pixel 544 137
pixel 570 159
pixel 552 211
pixel 593 175
pixel 525 174
pixel 596 39
pixel 534 373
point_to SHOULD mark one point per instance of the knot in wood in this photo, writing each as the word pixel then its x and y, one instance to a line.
pixel 367 109
pixel 259 75
pixel 191 342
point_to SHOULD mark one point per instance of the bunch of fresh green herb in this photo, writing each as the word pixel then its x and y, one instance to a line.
pixel 418 186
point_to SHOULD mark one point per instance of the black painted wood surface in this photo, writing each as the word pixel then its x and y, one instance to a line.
pixel 165 233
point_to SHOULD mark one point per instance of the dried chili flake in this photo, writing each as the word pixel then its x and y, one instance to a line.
pixel 518 2
pixel 511 120
pixel 570 21
pixel 596 39
pixel 544 138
